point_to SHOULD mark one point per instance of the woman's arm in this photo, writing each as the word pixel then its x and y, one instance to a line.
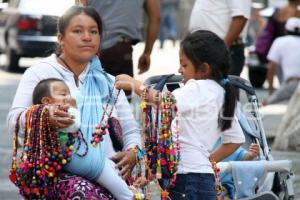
pixel 131 136
pixel 22 99
pixel 126 82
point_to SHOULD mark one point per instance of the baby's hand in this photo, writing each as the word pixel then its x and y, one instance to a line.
pixel 253 151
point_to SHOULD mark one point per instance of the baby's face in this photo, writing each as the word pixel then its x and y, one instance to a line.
pixel 60 94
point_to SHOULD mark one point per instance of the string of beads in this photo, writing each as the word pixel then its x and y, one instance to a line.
pixel 101 129
pixel 161 145
pixel 218 187
pixel 42 157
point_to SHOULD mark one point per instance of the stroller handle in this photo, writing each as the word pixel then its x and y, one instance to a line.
pixel 242 84
pixel 271 166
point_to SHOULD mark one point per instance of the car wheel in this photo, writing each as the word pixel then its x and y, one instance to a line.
pixel 257 76
pixel 12 58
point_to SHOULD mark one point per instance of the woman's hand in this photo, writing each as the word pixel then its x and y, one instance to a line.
pixel 125 161
pixel 59 116
pixel 126 82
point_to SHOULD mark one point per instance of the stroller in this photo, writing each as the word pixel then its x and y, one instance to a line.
pixel 277 181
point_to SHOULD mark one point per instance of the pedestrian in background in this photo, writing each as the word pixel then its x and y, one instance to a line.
pixel 228 20
pixel 122 20
pixel 275 27
pixel 168 28
pixel 285 52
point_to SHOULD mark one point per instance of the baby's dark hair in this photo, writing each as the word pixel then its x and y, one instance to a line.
pixel 42 89
pixel 206 47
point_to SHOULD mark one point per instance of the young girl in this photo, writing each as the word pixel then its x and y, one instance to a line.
pixel 53 91
pixel 206 107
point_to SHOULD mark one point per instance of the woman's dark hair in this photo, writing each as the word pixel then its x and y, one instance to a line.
pixel 42 89
pixel 206 47
pixel 73 11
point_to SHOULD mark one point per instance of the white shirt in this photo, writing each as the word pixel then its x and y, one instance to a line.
pixel 50 68
pixel 199 103
pixel 285 51
pixel 216 15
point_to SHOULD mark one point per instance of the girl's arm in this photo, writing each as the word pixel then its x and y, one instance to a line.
pixel 223 151
pixel 232 138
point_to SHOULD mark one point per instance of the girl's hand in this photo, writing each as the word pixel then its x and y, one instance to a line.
pixel 125 82
pixel 59 116
pixel 125 161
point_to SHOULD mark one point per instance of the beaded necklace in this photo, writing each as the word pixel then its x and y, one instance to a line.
pixel 101 128
pixel 42 157
pixel 220 190
pixel 161 145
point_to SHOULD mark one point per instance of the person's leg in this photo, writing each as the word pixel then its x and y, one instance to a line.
pixel 163 24
pixel 238 59
pixel 172 21
pixel 194 186
pixel 200 186
pixel 112 181
pixel 177 192
pixel 283 93
pixel 76 187
pixel 117 59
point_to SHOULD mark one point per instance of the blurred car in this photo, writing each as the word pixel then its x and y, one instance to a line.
pixel 28 28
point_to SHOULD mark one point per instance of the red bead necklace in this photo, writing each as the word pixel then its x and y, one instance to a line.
pixel 42 157
pixel 161 145
pixel 102 127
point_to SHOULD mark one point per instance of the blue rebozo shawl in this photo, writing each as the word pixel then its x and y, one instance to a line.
pixel 93 93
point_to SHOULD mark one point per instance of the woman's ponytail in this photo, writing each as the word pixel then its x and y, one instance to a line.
pixel 227 112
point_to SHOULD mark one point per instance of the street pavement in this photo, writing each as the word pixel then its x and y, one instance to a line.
pixel 163 61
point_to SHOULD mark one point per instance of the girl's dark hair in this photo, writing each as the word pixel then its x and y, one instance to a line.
pixel 73 11
pixel 206 47
pixel 42 89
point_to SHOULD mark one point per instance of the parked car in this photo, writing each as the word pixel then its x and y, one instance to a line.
pixel 28 28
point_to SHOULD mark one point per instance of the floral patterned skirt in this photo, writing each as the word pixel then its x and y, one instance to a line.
pixel 77 188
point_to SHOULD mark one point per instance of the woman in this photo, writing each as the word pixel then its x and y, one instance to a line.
pixel 79 31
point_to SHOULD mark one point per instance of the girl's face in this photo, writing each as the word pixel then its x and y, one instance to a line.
pixel 187 68
pixel 81 39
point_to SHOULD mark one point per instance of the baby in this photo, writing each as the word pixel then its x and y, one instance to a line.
pixel 54 91
pixel 239 155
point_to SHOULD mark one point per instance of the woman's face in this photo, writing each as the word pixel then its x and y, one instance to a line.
pixel 81 40
pixel 187 69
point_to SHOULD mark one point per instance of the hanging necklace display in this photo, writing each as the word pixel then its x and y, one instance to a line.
pixel 220 189
pixel 161 145
pixel 102 127
pixel 42 157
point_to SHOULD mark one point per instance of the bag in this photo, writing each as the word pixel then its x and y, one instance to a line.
pixel 265 39
pixel 115 133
